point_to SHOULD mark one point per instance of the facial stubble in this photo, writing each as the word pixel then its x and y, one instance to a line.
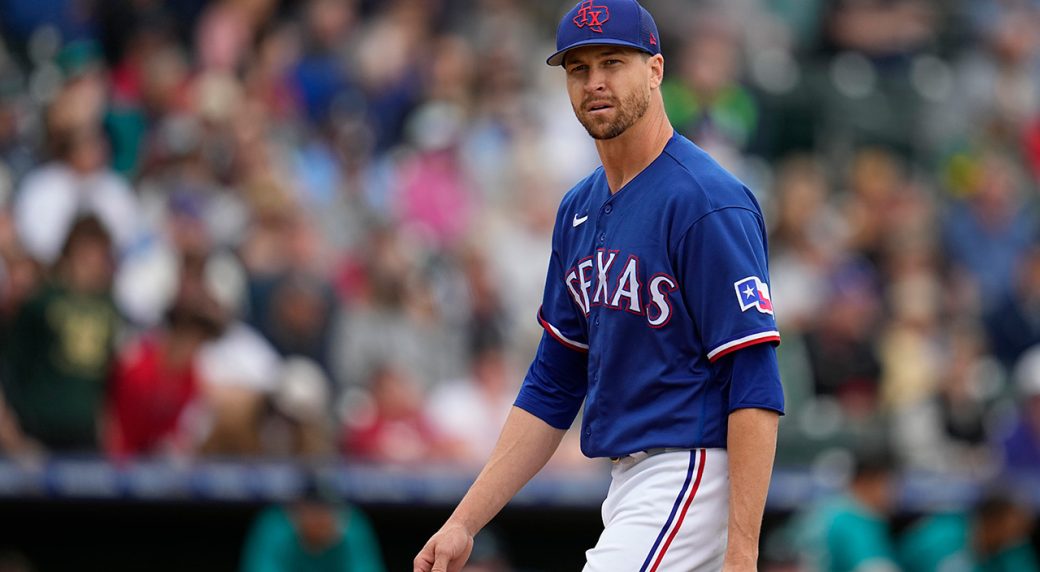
pixel 629 110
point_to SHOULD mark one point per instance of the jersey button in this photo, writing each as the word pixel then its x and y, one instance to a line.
pixel 597 320
pixel 607 209
pixel 588 431
pixel 602 237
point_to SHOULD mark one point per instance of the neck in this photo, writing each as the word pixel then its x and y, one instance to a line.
pixel 626 155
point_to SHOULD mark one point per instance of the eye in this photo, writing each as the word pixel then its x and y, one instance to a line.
pixel 578 68
pixel 611 62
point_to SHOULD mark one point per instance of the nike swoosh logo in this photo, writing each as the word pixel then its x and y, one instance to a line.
pixel 578 221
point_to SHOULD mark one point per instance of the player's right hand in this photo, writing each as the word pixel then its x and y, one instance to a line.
pixel 446 551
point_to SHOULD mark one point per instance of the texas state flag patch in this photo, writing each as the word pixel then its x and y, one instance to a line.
pixel 753 293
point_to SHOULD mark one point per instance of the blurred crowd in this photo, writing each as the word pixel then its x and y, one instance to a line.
pixel 319 228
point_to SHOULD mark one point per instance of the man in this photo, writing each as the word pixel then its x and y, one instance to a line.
pixel 316 532
pixel 61 348
pixel 657 316
pixel 849 531
pixel 994 536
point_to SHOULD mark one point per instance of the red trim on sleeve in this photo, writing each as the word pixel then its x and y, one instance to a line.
pixel 558 336
pixel 747 344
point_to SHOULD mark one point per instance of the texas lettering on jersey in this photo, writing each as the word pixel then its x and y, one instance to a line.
pixel 603 280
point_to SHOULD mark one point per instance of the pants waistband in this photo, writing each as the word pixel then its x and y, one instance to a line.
pixel 640 455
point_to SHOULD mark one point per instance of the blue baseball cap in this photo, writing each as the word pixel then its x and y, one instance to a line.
pixel 606 22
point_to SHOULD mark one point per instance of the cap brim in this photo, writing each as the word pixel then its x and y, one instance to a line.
pixel 557 58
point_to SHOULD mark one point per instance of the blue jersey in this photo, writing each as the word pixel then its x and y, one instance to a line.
pixel 647 291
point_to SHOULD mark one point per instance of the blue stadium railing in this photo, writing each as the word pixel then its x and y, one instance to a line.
pixel 433 485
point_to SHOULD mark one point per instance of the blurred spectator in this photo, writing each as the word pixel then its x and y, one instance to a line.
pixel 280 238
pixel 395 317
pixel 294 311
pixel 388 63
pixel 993 537
pixel 946 428
pixel 51 197
pixel 147 280
pixel 434 199
pixel 155 382
pixel 471 411
pixel 989 232
pixel 804 239
pixel 317 532
pixel 997 82
pixel 322 77
pixel 487 323
pixel 1020 443
pixel 841 349
pixel 62 344
pixel 239 369
pixel 390 425
pixel 849 532
pixel 881 27
pixel 875 182
pixel 297 419
pixel 704 97
pixel 1013 324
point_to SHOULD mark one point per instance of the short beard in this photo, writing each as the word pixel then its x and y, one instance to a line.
pixel 629 110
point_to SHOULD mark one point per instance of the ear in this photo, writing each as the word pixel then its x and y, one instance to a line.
pixel 656 65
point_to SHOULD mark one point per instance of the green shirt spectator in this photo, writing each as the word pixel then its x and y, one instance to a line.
pixel 62 345
pixel 59 355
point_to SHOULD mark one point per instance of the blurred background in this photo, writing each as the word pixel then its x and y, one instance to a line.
pixel 269 272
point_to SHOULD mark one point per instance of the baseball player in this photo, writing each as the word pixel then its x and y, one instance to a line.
pixel 657 317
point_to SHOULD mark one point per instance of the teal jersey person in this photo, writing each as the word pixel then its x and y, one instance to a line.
pixel 842 535
pixel 993 537
pixel 849 532
pixel 312 536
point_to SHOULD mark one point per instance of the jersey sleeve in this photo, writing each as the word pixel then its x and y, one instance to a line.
pixel 722 260
pixel 753 378
pixel 555 385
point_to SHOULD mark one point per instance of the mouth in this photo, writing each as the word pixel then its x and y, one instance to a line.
pixel 598 108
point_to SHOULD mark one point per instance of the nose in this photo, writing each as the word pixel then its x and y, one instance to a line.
pixel 595 81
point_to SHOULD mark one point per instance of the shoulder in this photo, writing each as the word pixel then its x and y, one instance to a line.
pixel 273 522
pixel 698 184
pixel 579 196
pixel 44 183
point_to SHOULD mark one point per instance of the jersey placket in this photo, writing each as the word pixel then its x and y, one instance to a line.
pixel 603 219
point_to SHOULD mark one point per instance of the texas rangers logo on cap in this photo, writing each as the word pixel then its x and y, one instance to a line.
pixel 753 293
pixel 592 16
pixel 586 24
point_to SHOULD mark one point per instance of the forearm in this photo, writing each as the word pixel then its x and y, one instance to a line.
pixel 751 448
pixel 525 445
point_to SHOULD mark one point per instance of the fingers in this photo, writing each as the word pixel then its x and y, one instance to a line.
pixel 447 551
pixel 442 557
pixel 424 561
